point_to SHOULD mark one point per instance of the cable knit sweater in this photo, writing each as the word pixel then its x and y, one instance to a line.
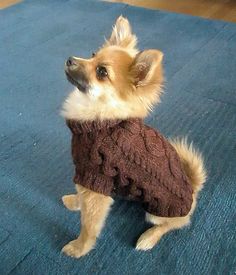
pixel 129 159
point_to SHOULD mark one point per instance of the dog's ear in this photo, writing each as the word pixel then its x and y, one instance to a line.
pixel 147 68
pixel 122 36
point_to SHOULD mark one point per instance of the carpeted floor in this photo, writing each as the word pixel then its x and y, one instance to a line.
pixel 35 162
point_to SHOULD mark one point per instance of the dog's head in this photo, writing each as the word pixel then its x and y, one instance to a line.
pixel 117 82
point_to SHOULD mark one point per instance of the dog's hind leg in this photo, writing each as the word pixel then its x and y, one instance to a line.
pixel 162 225
pixel 71 202
pixel 94 209
pixel 152 236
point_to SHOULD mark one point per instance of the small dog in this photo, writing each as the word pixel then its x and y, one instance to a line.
pixel 115 153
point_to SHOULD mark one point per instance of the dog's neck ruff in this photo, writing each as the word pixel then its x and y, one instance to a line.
pixel 78 127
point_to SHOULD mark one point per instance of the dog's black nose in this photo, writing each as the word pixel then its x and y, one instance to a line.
pixel 71 61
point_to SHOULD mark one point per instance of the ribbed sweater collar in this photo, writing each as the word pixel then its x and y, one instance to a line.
pixel 78 127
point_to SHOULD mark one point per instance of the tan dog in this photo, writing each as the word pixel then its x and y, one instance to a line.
pixel 119 82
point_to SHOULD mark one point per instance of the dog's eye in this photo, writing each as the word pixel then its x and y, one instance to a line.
pixel 101 72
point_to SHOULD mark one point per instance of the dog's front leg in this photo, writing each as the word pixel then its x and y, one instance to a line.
pixel 94 209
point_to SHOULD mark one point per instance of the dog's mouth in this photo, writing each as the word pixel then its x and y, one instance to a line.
pixel 80 84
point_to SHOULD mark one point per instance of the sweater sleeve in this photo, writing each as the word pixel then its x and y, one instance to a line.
pixel 99 183
pixel 91 170
pixel 91 175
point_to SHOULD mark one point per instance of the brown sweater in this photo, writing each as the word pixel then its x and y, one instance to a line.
pixel 132 160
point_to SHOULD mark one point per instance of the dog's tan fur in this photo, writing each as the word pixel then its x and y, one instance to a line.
pixel 134 85
pixel 94 209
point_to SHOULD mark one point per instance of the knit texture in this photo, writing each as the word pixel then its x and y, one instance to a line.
pixel 131 160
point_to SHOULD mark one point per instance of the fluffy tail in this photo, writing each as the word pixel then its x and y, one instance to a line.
pixel 192 162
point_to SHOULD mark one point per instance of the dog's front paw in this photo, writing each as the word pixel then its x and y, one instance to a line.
pixel 76 248
pixel 73 249
pixel 71 202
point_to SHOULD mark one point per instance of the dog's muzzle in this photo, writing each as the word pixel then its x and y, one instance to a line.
pixel 76 74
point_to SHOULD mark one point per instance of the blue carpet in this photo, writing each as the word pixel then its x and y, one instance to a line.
pixel 35 162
